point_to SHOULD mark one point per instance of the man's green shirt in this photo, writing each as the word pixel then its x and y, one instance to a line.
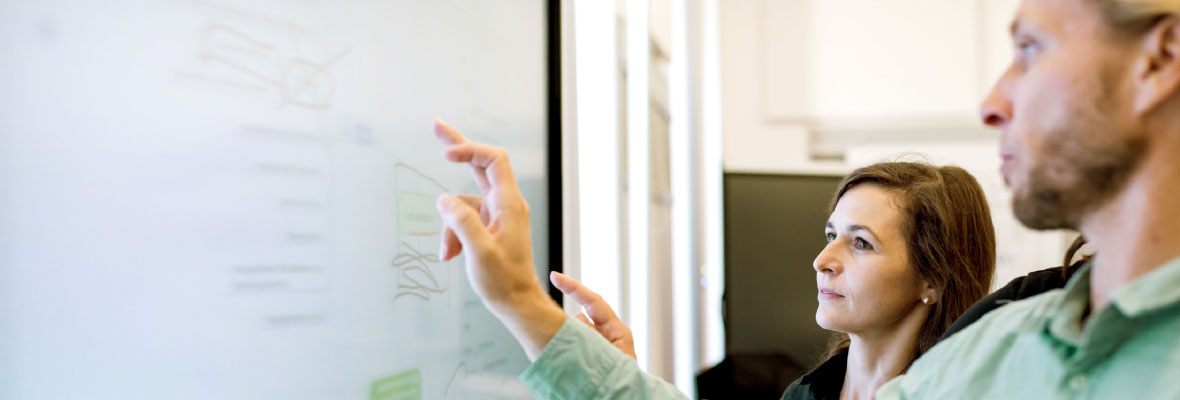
pixel 1037 348
pixel 1031 349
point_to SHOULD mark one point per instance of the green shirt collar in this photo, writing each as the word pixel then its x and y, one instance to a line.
pixel 1155 290
pixel 1063 317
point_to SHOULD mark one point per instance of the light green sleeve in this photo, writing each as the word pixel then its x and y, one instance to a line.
pixel 890 390
pixel 578 363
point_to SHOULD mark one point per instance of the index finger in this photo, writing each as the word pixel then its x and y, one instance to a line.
pixel 448 133
pixel 493 160
pixel 595 306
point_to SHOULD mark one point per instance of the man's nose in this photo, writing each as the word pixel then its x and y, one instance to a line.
pixel 996 110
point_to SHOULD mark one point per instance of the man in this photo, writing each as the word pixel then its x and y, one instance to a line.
pixel 1090 115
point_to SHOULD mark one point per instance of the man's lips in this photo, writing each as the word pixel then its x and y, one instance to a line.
pixel 1007 160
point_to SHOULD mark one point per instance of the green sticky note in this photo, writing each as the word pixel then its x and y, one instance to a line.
pixel 403 386
pixel 416 214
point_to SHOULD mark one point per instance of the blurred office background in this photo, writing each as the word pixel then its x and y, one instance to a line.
pixel 703 140
pixel 701 143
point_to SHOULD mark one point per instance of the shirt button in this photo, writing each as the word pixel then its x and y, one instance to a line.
pixel 1078 383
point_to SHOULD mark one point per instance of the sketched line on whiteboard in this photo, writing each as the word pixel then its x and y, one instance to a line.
pixel 455 376
pixel 300 81
pixel 416 214
pixel 416 195
pixel 419 173
pixel 254 16
pixel 416 279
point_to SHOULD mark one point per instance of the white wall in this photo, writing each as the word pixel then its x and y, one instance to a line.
pixel 643 173
pixel 807 77
pixel 593 215
pixel 867 59
pixel 749 142
pixel 828 85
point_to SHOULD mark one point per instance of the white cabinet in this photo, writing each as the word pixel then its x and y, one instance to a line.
pixel 868 58
pixel 832 73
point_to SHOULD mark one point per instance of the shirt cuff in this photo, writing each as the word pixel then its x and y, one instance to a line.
pixel 573 365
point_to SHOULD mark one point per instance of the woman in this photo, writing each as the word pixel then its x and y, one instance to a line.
pixel 910 247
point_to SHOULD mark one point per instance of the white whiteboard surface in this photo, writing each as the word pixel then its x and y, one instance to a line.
pixel 235 200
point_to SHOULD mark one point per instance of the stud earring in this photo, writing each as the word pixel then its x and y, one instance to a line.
pixel 925 300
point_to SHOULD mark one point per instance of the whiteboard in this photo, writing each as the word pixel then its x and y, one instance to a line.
pixel 235 199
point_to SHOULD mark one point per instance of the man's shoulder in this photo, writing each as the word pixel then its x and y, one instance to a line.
pixel 968 355
pixel 1011 318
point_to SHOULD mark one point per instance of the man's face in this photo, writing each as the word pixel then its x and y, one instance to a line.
pixel 1068 143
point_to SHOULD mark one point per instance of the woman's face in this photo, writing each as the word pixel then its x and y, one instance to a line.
pixel 864 276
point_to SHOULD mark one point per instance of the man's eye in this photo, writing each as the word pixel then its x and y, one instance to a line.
pixel 863 244
pixel 830 237
pixel 1027 50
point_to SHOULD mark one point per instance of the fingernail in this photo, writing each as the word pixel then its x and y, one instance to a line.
pixel 445 202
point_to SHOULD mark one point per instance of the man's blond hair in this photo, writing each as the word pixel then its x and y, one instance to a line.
pixel 1134 17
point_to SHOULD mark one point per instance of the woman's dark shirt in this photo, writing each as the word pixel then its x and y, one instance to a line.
pixel 823 382
pixel 1020 288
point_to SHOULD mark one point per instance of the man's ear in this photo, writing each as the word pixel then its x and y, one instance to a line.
pixel 1158 72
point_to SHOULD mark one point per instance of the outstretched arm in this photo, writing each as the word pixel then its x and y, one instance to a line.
pixel 570 360
pixel 601 317
pixel 494 232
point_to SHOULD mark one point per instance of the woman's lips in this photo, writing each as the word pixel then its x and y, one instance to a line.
pixel 828 294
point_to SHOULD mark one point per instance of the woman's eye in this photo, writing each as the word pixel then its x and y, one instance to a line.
pixel 863 244
pixel 830 237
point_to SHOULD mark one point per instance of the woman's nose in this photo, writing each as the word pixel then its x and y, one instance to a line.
pixel 826 262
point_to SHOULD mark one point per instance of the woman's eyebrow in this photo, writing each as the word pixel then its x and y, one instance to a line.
pixel 853 228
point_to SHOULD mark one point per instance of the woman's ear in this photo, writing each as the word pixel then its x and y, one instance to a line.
pixel 930 294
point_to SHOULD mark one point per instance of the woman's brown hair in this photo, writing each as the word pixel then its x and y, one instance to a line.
pixel 1072 253
pixel 952 243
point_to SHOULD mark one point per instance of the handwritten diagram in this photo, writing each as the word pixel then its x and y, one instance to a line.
pixel 272 57
pixel 416 277
pixel 418 226
pixel 298 80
